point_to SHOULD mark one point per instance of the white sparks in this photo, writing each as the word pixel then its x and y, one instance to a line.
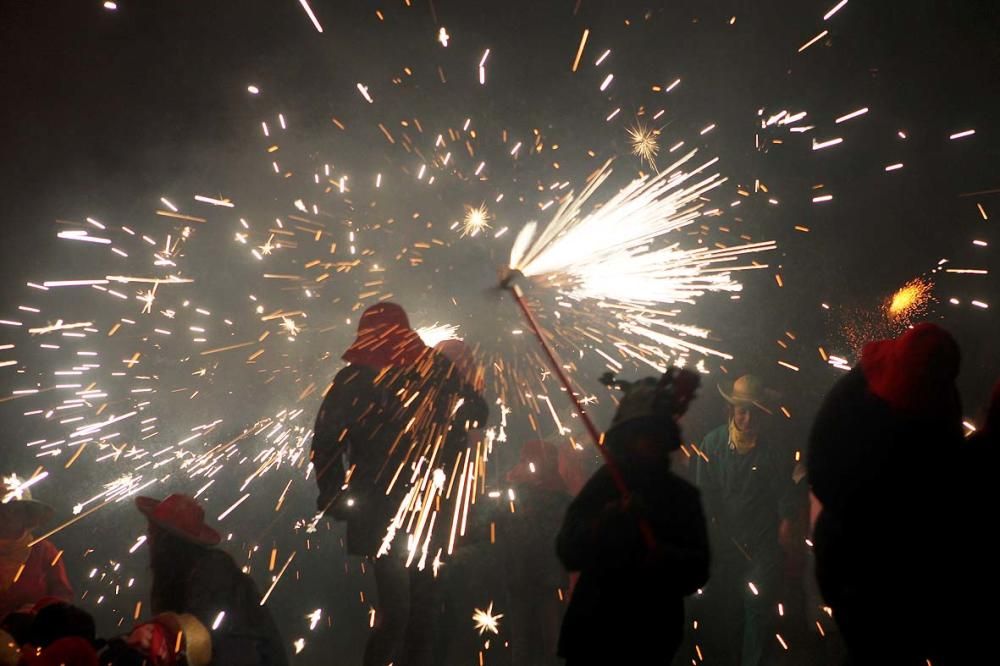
pixel 607 82
pixel 611 255
pixel 813 40
pixel 363 89
pixel 226 203
pixel 820 145
pixel 962 135
pixel 435 333
pixel 852 114
pixel 486 621
pixel 836 8
pixel 312 17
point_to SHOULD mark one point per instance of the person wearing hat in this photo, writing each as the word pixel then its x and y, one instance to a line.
pixel 398 404
pixel 898 541
pixel 193 578
pixel 28 571
pixel 754 506
pixel 638 554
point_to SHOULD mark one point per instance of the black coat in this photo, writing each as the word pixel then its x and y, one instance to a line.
pixel 246 635
pixel 627 606
pixel 374 422
pixel 888 542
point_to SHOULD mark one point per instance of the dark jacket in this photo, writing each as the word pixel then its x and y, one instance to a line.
pixel 374 422
pixel 246 635
pixel 746 496
pixel 888 556
pixel 627 606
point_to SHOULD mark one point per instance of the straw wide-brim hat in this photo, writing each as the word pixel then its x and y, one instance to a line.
pixel 11 494
pixel 181 516
pixel 748 391
pixel 197 639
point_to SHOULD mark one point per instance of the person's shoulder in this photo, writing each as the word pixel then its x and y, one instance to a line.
pixel 683 488
pixel 44 550
pixel 353 372
pixel 716 438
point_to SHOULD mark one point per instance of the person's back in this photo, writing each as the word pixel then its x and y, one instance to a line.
pixel 246 635
pixel 628 602
pixel 192 577
pixel 639 555
pixel 880 462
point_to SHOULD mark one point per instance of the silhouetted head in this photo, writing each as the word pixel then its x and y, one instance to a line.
pixel 58 620
pixel 644 427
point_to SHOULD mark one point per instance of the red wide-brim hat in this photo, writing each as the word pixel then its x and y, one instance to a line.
pixel 181 516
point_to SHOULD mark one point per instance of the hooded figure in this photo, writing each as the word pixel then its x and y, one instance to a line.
pixel 193 579
pixel 640 555
pixel 28 573
pixel 879 461
pixel 752 499
pixel 397 405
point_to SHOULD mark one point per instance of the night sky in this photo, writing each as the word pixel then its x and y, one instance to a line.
pixel 105 110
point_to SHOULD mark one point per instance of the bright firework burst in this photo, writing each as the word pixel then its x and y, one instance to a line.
pixel 476 220
pixel 644 143
pixel 486 621
pixel 910 301
pixel 618 259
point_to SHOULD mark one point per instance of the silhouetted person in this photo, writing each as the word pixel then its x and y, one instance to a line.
pixel 27 573
pixel 192 577
pixel 753 506
pixel 388 410
pixel 640 555
pixel 881 461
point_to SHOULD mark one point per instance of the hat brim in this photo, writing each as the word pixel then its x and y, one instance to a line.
pixel 36 513
pixel 205 536
pixel 758 402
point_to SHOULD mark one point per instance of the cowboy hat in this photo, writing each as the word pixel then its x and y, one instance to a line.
pixel 749 390
pixel 181 516
pixel 14 493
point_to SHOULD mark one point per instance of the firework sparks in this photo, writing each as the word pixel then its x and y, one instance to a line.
pixel 435 333
pixel 909 301
pixel 476 220
pixel 611 257
pixel 485 620
pixel 644 143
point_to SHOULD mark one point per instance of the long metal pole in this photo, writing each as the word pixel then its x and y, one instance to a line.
pixel 616 475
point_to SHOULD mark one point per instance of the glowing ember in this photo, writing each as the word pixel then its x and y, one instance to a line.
pixel 910 300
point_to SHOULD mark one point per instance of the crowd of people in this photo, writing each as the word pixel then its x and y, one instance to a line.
pixel 719 560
